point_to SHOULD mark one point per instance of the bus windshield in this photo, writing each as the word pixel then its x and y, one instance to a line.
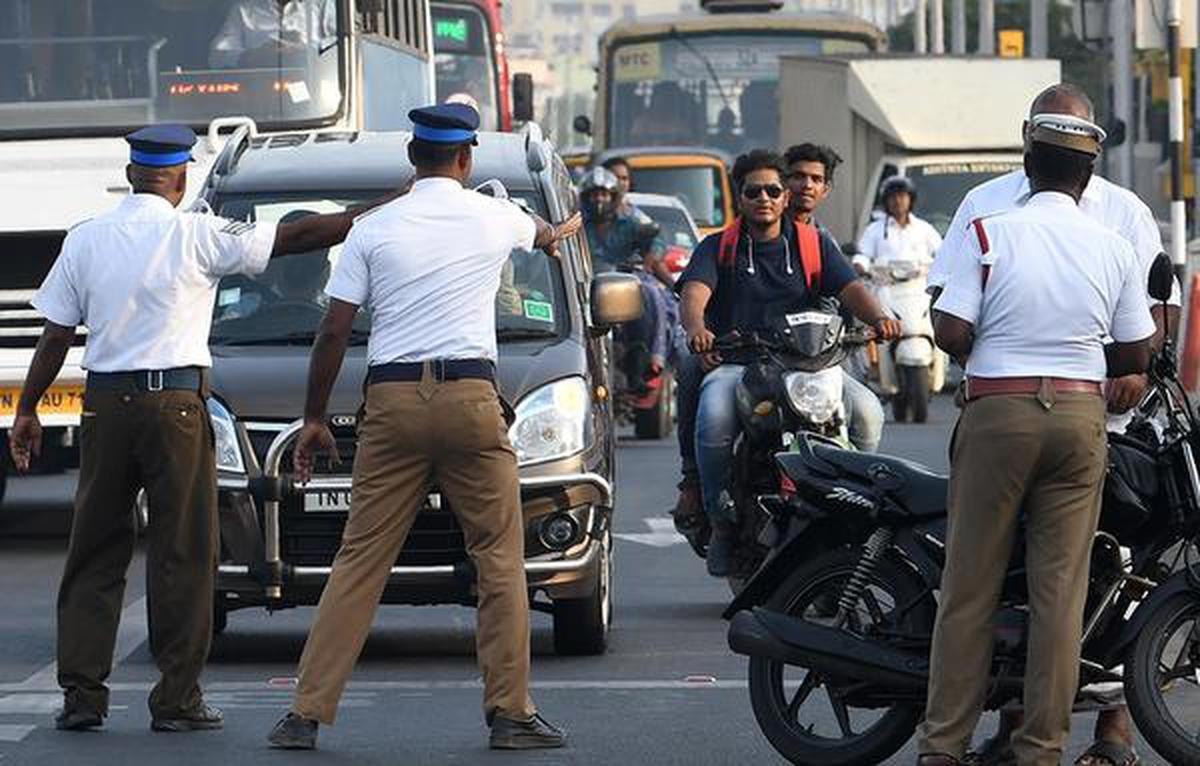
pixel 715 89
pixel 115 64
pixel 464 58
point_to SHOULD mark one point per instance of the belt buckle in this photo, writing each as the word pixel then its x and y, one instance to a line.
pixel 150 381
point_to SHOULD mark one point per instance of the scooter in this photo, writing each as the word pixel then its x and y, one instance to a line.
pixel 912 367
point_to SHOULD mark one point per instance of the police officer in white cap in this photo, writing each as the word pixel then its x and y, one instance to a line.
pixel 143 279
pixel 1029 308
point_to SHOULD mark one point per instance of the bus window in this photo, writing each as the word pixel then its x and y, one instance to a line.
pixel 465 59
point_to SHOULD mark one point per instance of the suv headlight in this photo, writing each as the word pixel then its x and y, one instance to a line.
pixel 815 396
pixel 229 452
pixel 552 422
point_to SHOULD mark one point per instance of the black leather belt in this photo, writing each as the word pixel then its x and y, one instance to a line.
pixel 440 369
pixel 175 379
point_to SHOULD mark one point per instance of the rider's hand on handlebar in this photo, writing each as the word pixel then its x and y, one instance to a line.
pixel 887 328
pixel 701 341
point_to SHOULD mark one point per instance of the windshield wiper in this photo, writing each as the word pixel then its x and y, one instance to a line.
pixel 523 333
pixel 357 338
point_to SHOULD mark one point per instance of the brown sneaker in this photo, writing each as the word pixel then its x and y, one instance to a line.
pixel 200 718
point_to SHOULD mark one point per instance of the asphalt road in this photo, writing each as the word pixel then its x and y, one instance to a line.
pixel 668 691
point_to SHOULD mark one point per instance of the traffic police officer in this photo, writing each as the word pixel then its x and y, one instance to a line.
pixel 1121 211
pixel 1030 307
pixel 429 266
pixel 143 279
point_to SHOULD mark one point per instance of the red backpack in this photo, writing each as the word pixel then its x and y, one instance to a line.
pixel 806 234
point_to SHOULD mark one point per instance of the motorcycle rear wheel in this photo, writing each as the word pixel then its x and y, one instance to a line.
pixel 1164 662
pixel 812 592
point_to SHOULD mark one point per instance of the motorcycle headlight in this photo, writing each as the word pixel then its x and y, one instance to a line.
pixel 229 452
pixel 815 395
pixel 552 422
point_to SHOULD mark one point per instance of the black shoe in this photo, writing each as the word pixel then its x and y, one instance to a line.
pixel 294 732
pixel 720 549
pixel 77 719
pixel 537 732
pixel 200 718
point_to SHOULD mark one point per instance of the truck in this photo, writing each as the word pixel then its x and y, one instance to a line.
pixel 947 123
pixel 77 75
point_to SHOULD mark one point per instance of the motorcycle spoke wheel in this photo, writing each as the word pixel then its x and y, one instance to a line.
pixel 840 712
pixel 807 687
pixel 1162 682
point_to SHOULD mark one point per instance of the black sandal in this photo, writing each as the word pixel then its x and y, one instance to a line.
pixel 996 751
pixel 1107 752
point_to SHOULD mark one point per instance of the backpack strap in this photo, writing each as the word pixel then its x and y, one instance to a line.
pixel 727 251
pixel 809 239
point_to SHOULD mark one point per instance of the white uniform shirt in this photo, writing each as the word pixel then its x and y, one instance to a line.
pixel 1112 206
pixel 885 240
pixel 428 266
pixel 1060 285
pixel 143 279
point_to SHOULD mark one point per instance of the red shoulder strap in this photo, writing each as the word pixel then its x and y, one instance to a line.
pixel 810 253
pixel 727 252
pixel 984 246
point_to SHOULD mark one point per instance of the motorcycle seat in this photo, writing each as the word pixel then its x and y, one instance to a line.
pixel 920 490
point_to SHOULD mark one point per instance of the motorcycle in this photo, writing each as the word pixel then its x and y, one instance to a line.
pixel 912 367
pixel 792 384
pixel 857 620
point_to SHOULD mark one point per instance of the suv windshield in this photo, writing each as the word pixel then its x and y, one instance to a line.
pixel 114 64
pixel 284 304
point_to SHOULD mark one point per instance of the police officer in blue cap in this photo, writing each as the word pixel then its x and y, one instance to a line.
pixel 430 266
pixel 142 279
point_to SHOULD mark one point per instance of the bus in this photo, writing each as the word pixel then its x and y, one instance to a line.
pixel 77 75
pixel 708 78
pixel 468 47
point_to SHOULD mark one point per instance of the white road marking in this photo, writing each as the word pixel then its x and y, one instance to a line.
pixel 30 704
pixel 662 534
pixel 15 732
pixel 632 684
pixel 131 633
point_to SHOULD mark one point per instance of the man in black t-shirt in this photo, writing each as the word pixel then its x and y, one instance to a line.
pixel 765 278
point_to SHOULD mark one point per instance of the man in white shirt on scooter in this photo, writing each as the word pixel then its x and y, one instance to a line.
pixel 899 235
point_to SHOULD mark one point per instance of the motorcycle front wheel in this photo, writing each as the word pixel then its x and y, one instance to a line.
pixel 1162 680
pixel 804 716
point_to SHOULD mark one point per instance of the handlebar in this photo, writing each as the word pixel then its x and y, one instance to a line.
pixel 736 341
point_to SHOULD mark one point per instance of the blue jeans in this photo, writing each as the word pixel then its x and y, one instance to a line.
pixel 716 428
pixel 689 372
pixel 864 413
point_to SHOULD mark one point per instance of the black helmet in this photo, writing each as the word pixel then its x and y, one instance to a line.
pixel 896 184
pixel 598 178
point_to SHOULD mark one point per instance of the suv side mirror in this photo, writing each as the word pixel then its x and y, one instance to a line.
pixel 522 97
pixel 616 299
pixel 582 124
pixel 1162 278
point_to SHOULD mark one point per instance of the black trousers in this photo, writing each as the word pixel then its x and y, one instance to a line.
pixel 161 441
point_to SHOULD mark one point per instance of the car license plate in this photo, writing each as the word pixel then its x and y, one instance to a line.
pixel 59 400
pixel 338 500
pixel 328 501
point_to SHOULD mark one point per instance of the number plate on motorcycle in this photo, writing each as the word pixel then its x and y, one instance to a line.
pixel 808 317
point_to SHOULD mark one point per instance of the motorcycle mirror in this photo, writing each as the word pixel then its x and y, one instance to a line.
pixel 1162 278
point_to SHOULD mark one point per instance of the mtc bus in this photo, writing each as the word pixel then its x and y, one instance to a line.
pixel 76 75
pixel 709 78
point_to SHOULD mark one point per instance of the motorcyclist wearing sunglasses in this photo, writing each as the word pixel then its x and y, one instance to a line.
pixel 763 280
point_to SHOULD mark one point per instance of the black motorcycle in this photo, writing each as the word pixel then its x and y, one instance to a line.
pixel 840 616
pixel 792 384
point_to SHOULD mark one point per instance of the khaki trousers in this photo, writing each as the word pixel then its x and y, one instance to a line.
pixel 161 441
pixel 1043 455
pixel 412 436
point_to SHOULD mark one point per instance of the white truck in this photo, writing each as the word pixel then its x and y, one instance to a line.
pixel 77 75
pixel 947 123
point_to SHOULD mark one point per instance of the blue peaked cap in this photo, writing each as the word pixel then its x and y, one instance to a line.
pixel 445 123
pixel 161 146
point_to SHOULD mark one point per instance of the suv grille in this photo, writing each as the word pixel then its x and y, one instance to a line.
pixel 28 257
pixel 309 538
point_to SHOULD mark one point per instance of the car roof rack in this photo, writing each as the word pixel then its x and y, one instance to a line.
pixel 536 158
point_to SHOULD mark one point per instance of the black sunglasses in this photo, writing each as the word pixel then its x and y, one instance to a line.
pixel 774 191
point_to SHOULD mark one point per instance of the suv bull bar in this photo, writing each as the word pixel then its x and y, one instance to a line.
pixel 273 487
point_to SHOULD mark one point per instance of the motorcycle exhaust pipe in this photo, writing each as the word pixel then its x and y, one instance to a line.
pixel 829 651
